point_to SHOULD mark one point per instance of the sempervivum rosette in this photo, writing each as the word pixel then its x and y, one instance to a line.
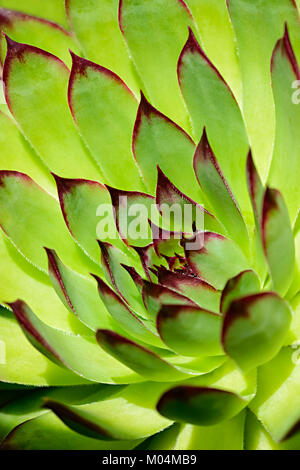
pixel 125 324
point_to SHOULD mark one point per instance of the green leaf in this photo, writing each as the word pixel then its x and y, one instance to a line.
pixel 227 435
pixel 218 193
pixel 24 364
pixel 53 11
pixel 20 279
pixel 155 295
pixel 211 104
pixel 155 34
pixel 30 404
pixel 205 295
pixel 278 240
pixel 285 166
pixel 140 359
pixel 187 212
pixel 202 406
pixel 95 23
pixel 217 36
pixel 125 317
pixel 47 432
pixel 257 438
pixel 218 259
pixel 112 260
pixel 104 110
pixel 255 328
pixel 37 32
pixel 36 91
pixel 79 294
pixel 78 353
pixel 88 214
pixel 132 210
pixel 135 406
pixel 16 154
pixel 190 331
pixel 276 404
pixel 31 219
pixel 159 141
pixel 263 22
pixel 245 283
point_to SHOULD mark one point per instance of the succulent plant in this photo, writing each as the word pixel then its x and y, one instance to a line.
pixel 121 328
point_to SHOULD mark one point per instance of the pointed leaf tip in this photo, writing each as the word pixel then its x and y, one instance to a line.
pixel 284 45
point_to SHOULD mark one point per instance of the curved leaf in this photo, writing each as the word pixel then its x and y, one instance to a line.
pixel 79 294
pixel 53 11
pixel 31 219
pixel 138 358
pixel 104 110
pixel 124 316
pixel 218 193
pixel 155 33
pixel 217 260
pixel 96 27
pixel 36 92
pixel 211 104
pixel 80 354
pixel 202 406
pixel 137 417
pixel 245 283
pixel 278 240
pixel 285 166
pixel 255 328
pixel 24 364
pixel 190 331
pixel 192 287
pixel 159 141
pixel 35 31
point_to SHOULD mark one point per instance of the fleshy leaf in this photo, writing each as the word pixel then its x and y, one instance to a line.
pixel 276 404
pixel 190 331
pixel 17 155
pixel 245 283
pixel 138 417
pixel 78 353
pixel 31 219
pixel 104 110
pixel 36 92
pixel 192 287
pixel 79 294
pixel 132 209
pixel 255 328
pixel 285 166
pixel 96 27
pixel 218 193
pixel 202 406
pixel 189 212
pixel 159 141
pixel 87 211
pixel 278 240
pixel 155 295
pixel 124 316
pixel 227 435
pixel 211 104
pixel 256 192
pixel 112 260
pixel 138 358
pixel 155 34
pixel 53 11
pixel 36 31
pixel 47 432
pixel 217 36
pixel 24 364
pixel 263 22
pixel 217 261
